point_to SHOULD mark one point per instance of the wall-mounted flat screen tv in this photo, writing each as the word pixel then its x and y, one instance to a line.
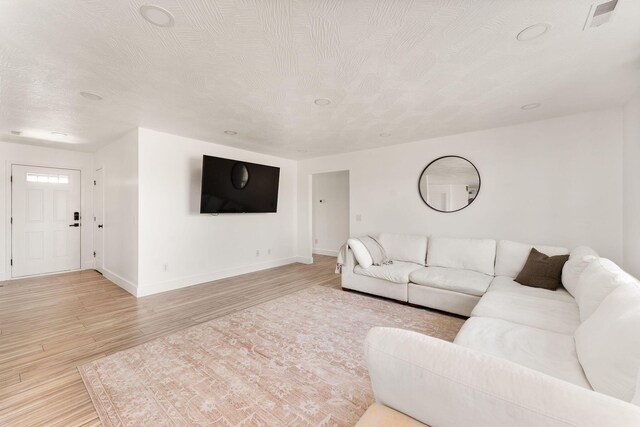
pixel 234 186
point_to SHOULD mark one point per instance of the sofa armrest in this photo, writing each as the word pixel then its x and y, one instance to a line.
pixel 350 262
pixel 446 385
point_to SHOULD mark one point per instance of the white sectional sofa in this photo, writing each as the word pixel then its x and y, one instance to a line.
pixel 525 357
pixel 452 275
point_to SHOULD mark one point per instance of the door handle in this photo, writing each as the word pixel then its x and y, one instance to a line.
pixel 100 226
pixel 74 225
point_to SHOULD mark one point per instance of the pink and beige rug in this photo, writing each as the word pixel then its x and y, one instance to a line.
pixel 297 360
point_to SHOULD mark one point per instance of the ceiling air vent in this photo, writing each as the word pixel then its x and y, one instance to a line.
pixel 600 13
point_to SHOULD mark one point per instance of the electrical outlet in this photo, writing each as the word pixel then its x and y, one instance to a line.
pixel 257 252
pixel 315 241
pixel 269 251
pixel 358 217
pixel 165 267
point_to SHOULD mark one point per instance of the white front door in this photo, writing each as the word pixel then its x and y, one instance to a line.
pixel 98 221
pixel 45 220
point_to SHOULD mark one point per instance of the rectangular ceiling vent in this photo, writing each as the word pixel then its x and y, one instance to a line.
pixel 600 13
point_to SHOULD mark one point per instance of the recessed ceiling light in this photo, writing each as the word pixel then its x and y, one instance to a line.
pixel 531 106
pixel 385 134
pixel 157 15
pixel 322 101
pixel 91 96
pixel 532 32
pixel 58 133
pixel 230 132
pixel 16 132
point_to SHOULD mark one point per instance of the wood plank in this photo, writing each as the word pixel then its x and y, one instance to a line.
pixel 52 324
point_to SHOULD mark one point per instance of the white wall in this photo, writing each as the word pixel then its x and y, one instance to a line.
pixel 331 216
pixel 631 168
pixel 11 153
pixel 556 182
pixel 195 248
pixel 119 163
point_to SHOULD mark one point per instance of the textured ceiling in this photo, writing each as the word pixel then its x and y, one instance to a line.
pixel 411 69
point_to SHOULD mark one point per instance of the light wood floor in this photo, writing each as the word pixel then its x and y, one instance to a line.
pixel 49 325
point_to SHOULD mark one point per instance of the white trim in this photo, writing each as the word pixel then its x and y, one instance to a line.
pixel 93 223
pixel 327 252
pixel 183 282
pixel 304 259
pixel 120 281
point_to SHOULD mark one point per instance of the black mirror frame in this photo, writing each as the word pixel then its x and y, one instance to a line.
pixel 445 157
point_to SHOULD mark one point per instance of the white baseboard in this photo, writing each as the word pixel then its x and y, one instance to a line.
pixel 304 259
pixel 325 252
pixel 184 282
pixel 123 283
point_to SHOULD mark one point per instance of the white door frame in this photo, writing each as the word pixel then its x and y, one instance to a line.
pixel 8 195
pixel 94 224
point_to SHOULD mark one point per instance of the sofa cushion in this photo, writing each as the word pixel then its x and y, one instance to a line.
pixel 507 284
pixel 599 278
pixel 511 256
pixel 452 279
pixel 398 272
pixel 545 351
pixel 405 247
pixel 360 252
pixel 542 271
pixel 608 343
pixel 548 314
pixel 572 270
pixel 465 254
pixel 443 384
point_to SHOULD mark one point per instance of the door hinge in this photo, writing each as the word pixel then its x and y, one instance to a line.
pixel 12 262
pixel 11 178
pixel 11 220
pixel 94 182
pixel 94 254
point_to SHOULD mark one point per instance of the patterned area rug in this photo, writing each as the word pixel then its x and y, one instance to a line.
pixel 294 361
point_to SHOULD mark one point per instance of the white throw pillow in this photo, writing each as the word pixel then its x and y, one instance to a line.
pixel 599 278
pixel 578 261
pixel 467 254
pixel 405 247
pixel 512 256
pixel 360 252
pixel 608 343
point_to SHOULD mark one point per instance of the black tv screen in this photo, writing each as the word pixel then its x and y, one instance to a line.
pixel 234 186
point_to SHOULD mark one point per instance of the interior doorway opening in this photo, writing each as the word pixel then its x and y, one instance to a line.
pixel 330 212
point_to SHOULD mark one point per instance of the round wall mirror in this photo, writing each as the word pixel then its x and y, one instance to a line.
pixel 239 175
pixel 449 184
